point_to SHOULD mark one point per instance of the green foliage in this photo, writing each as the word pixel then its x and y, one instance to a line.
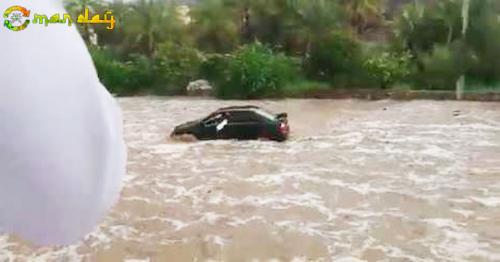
pixel 286 25
pixel 123 77
pixel 336 59
pixel 175 66
pixel 305 45
pixel 150 23
pixel 215 68
pixel 312 20
pixel 269 21
pixel 255 71
pixel 114 74
pixel 141 72
pixel 439 70
pixel 419 27
pixel 482 86
pixel 388 68
pixel 303 87
pixel 76 7
pixel 361 13
pixel 167 74
pixel 117 37
pixel 483 40
pixel 434 36
pixel 445 64
pixel 215 26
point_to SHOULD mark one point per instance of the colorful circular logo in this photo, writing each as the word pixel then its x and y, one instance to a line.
pixel 16 18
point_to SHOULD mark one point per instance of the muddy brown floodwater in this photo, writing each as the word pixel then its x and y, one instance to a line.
pixel 359 180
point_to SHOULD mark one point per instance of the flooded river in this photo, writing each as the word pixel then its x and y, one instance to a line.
pixel 358 181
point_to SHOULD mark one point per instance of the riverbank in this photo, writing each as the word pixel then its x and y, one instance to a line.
pixel 379 94
pixel 370 94
pixel 392 94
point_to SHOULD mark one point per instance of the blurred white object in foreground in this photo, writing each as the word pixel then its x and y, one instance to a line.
pixel 62 154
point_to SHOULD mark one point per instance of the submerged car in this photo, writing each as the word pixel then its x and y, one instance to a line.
pixel 238 122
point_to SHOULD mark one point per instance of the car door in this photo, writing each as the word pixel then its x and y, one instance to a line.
pixel 242 125
pixel 209 126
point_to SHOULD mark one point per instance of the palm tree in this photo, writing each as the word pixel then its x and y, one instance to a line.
pixel 313 20
pixel 265 20
pixel 76 7
pixel 360 12
pixel 449 12
pixel 465 24
pixel 215 25
pixel 116 37
pixel 149 23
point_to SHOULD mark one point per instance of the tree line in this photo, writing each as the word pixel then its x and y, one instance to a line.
pixel 259 48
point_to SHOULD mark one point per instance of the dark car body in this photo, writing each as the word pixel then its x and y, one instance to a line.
pixel 239 122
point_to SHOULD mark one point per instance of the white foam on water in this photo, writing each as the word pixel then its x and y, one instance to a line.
pixel 216 240
pixel 366 181
pixel 491 202
pixel 137 260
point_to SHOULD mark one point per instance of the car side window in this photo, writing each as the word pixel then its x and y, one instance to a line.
pixel 213 120
pixel 243 117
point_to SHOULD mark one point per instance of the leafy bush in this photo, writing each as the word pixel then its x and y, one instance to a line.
pixel 336 59
pixel 483 39
pixel 441 68
pixel 254 71
pixel 140 72
pixel 175 67
pixel 214 26
pixel 388 68
pixel 330 56
pixel 433 34
pixel 420 27
pixel 215 68
pixel 114 74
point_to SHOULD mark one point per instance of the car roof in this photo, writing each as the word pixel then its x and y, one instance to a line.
pixel 248 108
pixel 237 108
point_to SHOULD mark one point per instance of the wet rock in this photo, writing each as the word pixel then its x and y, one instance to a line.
pixel 199 88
